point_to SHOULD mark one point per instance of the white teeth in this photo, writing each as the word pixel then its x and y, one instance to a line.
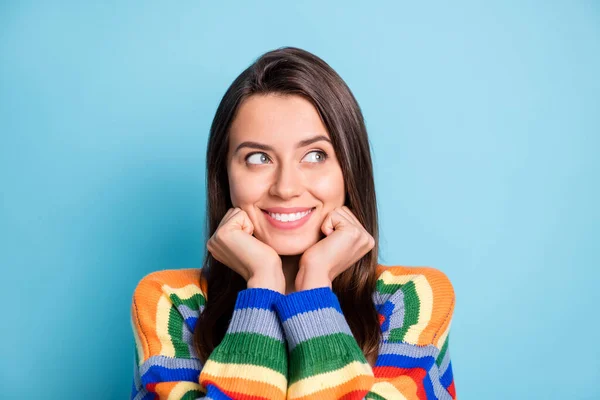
pixel 290 217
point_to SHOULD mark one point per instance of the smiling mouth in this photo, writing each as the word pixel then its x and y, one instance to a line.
pixel 289 217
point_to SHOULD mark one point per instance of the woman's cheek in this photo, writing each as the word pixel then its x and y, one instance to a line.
pixel 246 191
pixel 329 188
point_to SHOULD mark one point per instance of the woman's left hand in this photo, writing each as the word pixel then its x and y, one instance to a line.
pixel 345 243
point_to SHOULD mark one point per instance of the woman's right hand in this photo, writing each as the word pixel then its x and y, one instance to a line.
pixel 233 245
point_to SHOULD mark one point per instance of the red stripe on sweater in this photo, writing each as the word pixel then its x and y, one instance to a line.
pixel 452 390
pixel 416 374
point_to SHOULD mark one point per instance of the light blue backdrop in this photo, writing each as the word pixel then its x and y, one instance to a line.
pixel 485 124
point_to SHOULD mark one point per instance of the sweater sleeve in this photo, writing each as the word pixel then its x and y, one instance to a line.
pixel 327 363
pixel 251 360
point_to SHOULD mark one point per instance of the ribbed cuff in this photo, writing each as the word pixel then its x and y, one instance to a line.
pixel 254 329
pixel 306 300
pixel 314 316
pixel 257 298
pixel 318 336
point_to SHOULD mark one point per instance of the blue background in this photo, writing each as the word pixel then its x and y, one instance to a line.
pixel 484 119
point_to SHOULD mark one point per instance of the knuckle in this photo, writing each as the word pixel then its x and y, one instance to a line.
pixel 371 242
pixel 356 233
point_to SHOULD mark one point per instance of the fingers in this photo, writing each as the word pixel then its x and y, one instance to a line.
pixel 350 217
pixel 228 214
pixel 333 221
pixel 237 216
pixel 346 211
pixel 246 224
pixel 240 217
pixel 327 225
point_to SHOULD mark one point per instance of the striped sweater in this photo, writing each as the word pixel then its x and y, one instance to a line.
pixel 295 346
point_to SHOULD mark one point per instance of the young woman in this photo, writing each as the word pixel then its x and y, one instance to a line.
pixel 291 302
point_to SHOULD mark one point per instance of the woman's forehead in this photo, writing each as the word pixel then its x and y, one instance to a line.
pixel 285 120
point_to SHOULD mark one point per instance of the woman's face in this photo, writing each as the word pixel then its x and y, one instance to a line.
pixel 280 156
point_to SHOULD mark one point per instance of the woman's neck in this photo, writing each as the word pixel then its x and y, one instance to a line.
pixel 290 270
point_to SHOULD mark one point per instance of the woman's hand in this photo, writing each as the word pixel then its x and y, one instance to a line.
pixel 346 242
pixel 233 245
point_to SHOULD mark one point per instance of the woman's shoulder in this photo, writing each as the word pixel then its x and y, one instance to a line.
pixel 182 283
pixel 183 289
pixel 165 305
pixel 390 276
pixel 164 310
pixel 423 295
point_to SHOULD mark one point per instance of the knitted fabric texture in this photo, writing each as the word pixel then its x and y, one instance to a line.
pixel 295 346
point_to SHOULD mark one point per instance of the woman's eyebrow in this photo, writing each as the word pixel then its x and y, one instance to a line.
pixel 302 143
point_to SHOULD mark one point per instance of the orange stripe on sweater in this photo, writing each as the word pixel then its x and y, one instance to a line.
pixel 251 389
pixel 145 301
pixel 443 306
pixel 406 380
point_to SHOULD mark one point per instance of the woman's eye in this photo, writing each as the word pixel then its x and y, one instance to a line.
pixel 317 156
pixel 257 157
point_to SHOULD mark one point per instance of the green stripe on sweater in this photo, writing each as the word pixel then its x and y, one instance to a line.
pixel 384 288
pixel 374 396
pixel 252 348
pixel 192 395
pixel 412 305
pixel 194 302
pixel 175 329
pixel 440 357
pixel 323 354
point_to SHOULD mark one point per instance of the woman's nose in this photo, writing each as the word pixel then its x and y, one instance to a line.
pixel 287 182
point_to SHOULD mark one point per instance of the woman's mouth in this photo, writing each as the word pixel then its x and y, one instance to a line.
pixel 288 220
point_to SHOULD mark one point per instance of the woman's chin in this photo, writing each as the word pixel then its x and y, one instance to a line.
pixel 285 248
pixel 289 245
pixel 290 250
pixel 290 253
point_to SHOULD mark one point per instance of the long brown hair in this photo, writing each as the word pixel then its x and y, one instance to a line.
pixel 293 71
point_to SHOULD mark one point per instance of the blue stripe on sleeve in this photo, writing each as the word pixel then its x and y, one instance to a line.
pixel 214 393
pixel 400 361
pixel 257 298
pixel 158 373
pixel 447 378
pixel 305 301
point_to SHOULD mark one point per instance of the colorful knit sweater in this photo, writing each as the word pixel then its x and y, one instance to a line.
pixel 295 346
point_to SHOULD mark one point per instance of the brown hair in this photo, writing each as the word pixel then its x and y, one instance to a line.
pixel 293 71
